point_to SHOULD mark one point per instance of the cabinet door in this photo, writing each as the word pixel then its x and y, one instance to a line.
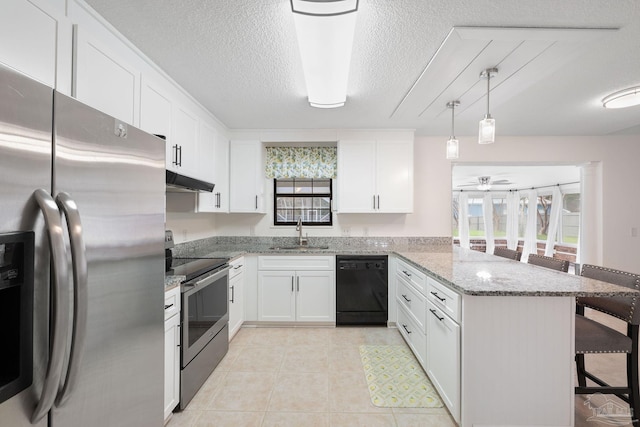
pixel 29 35
pixel 394 176
pixel 185 134
pixel 356 176
pixel 236 304
pixel 315 300
pixel 155 116
pixel 103 80
pixel 206 146
pixel 218 200
pixel 443 357
pixel 276 296
pixel 171 364
pixel 246 177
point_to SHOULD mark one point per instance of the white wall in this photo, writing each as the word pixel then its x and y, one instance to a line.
pixel 432 209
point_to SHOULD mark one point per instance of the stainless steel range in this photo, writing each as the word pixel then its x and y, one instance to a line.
pixel 203 320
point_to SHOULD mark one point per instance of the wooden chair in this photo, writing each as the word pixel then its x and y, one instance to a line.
pixel 548 262
pixel 594 337
pixel 507 253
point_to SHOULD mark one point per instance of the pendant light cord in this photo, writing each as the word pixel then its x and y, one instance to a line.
pixel 488 91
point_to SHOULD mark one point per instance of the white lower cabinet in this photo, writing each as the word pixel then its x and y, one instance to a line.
pixel 291 290
pixel 236 296
pixel 171 350
pixel 428 319
pixel 443 357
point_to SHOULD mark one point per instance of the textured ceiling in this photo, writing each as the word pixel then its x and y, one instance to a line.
pixel 519 177
pixel 240 60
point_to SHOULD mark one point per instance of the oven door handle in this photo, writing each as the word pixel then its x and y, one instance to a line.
pixel 195 287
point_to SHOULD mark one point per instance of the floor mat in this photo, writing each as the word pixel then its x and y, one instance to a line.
pixel 396 379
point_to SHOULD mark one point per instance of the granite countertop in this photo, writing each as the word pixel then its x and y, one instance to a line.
pixel 171 282
pixel 475 273
pixel 466 271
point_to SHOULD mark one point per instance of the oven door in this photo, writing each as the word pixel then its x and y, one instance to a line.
pixel 204 312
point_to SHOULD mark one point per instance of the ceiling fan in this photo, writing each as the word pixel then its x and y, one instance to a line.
pixel 485 183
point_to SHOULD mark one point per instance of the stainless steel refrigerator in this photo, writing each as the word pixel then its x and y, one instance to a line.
pixel 88 191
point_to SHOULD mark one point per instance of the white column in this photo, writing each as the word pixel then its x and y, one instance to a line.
pixel 591 238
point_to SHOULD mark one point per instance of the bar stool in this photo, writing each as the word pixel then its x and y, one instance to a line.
pixel 548 262
pixel 595 337
pixel 507 253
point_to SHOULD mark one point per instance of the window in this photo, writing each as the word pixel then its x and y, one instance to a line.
pixel 305 198
pixel 570 218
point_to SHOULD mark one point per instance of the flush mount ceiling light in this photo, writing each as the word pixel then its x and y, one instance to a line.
pixel 484 183
pixel 487 130
pixel 325 35
pixel 452 143
pixel 622 99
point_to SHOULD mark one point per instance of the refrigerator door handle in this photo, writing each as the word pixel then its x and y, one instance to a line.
pixel 59 304
pixel 80 295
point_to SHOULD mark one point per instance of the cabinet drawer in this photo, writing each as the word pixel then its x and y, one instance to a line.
pixel 298 263
pixel 237 267
pixel 412 301
pixel 416 339
pixel 412 275
pixel 171 302
pixel 444 298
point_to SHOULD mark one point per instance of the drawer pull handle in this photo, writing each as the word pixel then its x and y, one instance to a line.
pixel 237 266
pixel 168 306
pixel 435 314
pixel 435 294
pixel 405 328
pixel 405 297
pixel 405 272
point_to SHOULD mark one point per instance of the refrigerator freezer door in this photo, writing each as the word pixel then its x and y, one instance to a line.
pixel 116 175
pixel 25 165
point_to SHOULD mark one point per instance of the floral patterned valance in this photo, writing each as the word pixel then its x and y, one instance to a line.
pixel 301 162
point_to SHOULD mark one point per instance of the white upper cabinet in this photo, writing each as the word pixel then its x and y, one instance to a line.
pixel 30 31
pixel 156 112
pixel 375 176
pixel 246 177
pixel 184 145
pixel 103 80
pixel 215 157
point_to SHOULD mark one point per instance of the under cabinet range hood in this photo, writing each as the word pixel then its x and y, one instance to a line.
pixel 178 182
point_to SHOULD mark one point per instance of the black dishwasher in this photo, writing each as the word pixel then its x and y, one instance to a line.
pixel 361 290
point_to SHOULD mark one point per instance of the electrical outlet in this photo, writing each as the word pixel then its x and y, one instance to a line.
pixel 252 230
pixel 184 235
pixel 365 232
pixel 346 231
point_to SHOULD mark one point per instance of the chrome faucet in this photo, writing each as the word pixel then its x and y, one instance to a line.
pixel 302 241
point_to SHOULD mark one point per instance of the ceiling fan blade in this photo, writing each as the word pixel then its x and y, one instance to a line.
pixel 468 185
pixel 501 182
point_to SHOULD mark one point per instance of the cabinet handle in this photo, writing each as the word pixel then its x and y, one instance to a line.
pixel 374 201
pixel 178 335
pixel 233 294
pixel 298 284
pixel 256 202
pixel 435 294
pixel 405 298
pixel 292 284
pixel 407 273
pixel 378 202
pixel 168 306
pixel 179 155
pixel 237 266
pixel 218 202
pixel 405 328
pixel 174 150
pixel 435 314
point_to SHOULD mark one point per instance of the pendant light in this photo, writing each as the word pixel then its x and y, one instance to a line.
pixel 487 130
pixel 452 143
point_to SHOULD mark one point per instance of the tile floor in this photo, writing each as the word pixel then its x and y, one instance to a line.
pixel 292 377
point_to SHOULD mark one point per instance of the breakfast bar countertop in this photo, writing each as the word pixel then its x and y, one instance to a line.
pixel 475 273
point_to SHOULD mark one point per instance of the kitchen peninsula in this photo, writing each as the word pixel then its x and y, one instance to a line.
pixel 514 344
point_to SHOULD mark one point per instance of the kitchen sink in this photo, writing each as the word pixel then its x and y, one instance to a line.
pixel 298 247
